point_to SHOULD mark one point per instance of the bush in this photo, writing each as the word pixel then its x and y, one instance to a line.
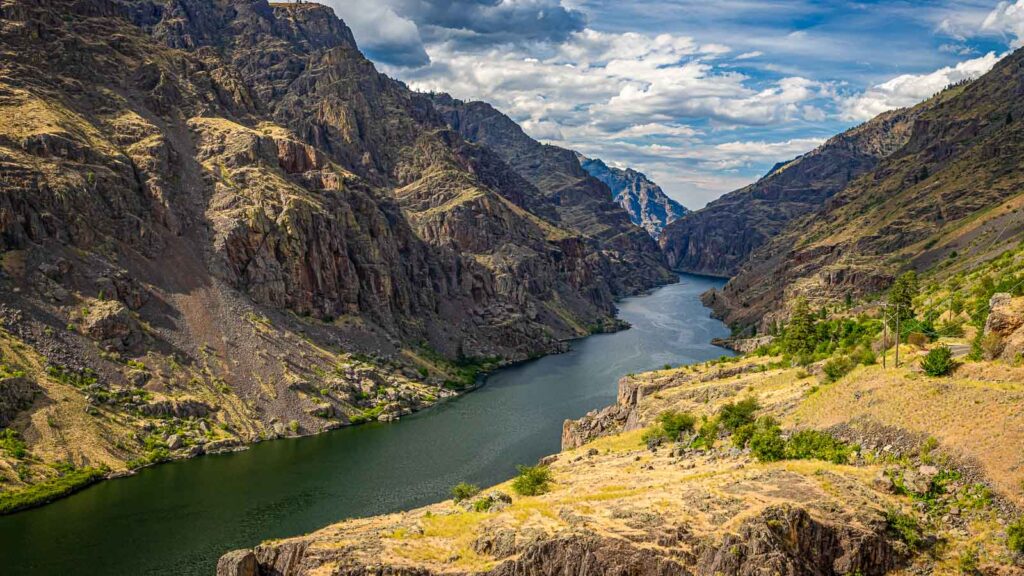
pixel 864 355
pixel 904 527
pixel 811 444
pixel 767 444
pixel 670 425
pixel 707 434
pixel 938 362
pixel 1015 536
pixel 917 340
pixel 10 442
pixel 675 423
pixel 732 416
pixel 991 346
pixel 837 367
pixel 532 480
pixel 464 491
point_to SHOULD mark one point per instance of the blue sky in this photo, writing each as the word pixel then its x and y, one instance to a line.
pixel 703 96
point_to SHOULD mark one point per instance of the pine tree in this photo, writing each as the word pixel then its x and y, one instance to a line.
pixel 902 293
pixel 800 335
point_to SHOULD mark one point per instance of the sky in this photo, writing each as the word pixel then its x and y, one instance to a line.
pixel 703 96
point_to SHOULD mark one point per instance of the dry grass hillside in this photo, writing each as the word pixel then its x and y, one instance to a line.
pixel 924 485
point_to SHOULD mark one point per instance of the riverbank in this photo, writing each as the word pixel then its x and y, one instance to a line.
pixel 178 518
pixel 897 482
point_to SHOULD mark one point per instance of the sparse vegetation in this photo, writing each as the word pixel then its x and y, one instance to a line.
pixel 732 416
pixel 532 480
pixel 49 490
pixel 905 527
pixel 12 444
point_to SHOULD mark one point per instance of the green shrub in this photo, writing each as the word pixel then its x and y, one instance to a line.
pixel 1015 536
pixel 767 444
pixel 815 445
pixel 938 362
pixel 707 434
pixel 837 367
pixel 732 416
pixel 11 442
pixel 904 527
pixel 464 490
pixel 532 480
pixel 675 423
pixel 864 355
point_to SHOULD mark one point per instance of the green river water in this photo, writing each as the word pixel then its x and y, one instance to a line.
pixel 177 519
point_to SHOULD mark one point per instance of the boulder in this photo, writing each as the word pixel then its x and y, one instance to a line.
pixel 111 324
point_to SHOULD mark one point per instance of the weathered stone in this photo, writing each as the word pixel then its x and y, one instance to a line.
pixel 111 324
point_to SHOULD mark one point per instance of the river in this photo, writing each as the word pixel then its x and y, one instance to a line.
pixel 178 518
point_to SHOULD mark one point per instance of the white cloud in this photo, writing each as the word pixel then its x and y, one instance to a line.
pixel 1007 19
pixel 749 55
pixel 378 29
pixel 909 89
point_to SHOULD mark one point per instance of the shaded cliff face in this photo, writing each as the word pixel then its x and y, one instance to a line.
pixel 949 197
pixel 717 239
pixel 581 202
pixel 646 203
pixel 223 202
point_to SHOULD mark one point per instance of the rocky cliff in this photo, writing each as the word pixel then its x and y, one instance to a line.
pixel 221 203
pixel 949 197
pixel 647 204
pixel 717 239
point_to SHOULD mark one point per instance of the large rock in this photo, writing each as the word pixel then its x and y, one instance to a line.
pixel 1006 322
pixel 238 563
pixel 112 325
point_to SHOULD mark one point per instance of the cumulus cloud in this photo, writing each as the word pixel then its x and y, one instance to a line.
pixel 1007 19
pixel 396 32
pixel 909 89
pixel 382 33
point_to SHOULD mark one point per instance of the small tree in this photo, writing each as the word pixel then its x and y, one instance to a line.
pixel 938 362
pixel 532 480
pixel 464 491
pixel 902 294
pixel 800 334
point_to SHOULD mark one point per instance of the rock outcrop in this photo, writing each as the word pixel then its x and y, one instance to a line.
pixel 647 204
pixel 1005 324
pixel 17 392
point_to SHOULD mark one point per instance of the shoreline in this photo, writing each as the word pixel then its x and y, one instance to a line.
pixel 47 497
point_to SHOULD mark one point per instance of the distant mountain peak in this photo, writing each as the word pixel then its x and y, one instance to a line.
pixel 647 204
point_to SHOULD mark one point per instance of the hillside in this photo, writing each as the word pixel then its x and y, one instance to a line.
pixel 948 199
pixel 220 224
pixel 581 201
pixel 647 204
pixel 719 238
pixel 879 471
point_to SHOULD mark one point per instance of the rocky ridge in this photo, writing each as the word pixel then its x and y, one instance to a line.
pixel 222 203
pixel 719 238
pixel 647 204
pixel 946 200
